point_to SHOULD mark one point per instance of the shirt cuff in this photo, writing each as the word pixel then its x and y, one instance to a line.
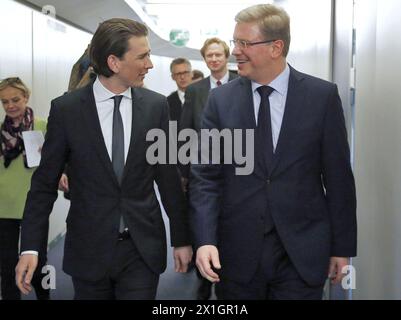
pixel 30 252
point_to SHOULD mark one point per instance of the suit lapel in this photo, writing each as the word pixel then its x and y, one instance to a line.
pixel 91 119
pixel 247 110
pixel 205 89
pixel 137 121
pixel 292 114
pixel 247 113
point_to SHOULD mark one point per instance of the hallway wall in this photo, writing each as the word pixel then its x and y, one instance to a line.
pixel 378 149
pixel 41 51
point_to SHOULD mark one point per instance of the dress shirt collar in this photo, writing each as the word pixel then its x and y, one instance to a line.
pixel 102 94
pixel 181 95
pixel 223 80
pixel 279 84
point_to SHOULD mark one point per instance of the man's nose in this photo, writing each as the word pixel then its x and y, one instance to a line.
pixel 149 65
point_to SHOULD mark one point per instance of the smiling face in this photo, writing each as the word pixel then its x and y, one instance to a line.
pixel 260 62
pixel 252 61
pixel 215 58
pixel 14 103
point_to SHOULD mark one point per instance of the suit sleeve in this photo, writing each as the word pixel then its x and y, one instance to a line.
pixel 172 196
pixel 44 184
pixel 205 187
pixel 339 180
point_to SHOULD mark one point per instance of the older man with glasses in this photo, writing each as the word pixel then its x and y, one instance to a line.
pixel 181 73
pixel 282 231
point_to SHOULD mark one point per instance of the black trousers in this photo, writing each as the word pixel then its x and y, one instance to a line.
pixel 129 278
pixel 9 238
pixel 275 279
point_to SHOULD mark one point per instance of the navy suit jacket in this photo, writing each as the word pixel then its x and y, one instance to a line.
pixel 310 190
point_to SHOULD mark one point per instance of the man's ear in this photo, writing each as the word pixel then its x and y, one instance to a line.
pixel 114 63
pixel 278 48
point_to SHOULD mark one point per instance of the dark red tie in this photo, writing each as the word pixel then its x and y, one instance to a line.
pixel 218 83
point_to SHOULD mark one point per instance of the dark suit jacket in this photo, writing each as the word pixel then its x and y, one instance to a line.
pixel 74 136
pixel 175 107
pixel 310 190
pixel 196 97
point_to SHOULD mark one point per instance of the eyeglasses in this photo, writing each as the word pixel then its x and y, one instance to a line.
pixel 243 44
pixel 184 73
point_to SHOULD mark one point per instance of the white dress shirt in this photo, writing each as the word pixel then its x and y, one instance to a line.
pixel 181 95
pixel 105 108
pixel 213 80
pixel 277 102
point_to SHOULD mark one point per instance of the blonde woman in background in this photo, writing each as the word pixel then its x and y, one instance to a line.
pixel 15 178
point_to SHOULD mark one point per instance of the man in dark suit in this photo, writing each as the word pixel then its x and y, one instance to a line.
pixel 181 73
pixel 279 232
pixel 215 52
pixel 115 246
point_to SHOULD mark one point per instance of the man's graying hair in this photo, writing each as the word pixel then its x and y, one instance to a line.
pixel 274 22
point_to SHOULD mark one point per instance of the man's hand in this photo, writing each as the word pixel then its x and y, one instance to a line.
pixel 63 183
pixel 206 258
pixel 335 269
pixel 24 272
pixel 182 257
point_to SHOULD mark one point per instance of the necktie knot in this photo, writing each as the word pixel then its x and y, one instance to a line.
pixel 117 101
pixel 265 91
pixel 218 83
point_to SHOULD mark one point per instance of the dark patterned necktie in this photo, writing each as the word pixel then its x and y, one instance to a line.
pixel 117 153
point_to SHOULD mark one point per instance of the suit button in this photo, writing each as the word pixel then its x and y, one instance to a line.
pixel 268 181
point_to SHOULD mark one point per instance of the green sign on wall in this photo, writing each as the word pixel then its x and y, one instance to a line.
pixel 179 37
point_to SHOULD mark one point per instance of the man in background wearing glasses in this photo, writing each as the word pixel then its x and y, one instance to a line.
pixel 181 73
pixel 281 231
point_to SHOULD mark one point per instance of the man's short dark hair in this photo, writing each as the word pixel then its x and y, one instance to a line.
pixel 111 38
pixel 178 61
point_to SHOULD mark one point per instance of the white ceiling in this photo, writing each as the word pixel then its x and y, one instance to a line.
pixel 88 14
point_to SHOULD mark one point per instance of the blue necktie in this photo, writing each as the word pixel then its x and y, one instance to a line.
pixel 264 129
pixel 264 146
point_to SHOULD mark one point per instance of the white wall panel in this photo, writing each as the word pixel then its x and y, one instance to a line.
pixel 378 149
pixel 15 42
pixel 56 47
pixel 311 40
